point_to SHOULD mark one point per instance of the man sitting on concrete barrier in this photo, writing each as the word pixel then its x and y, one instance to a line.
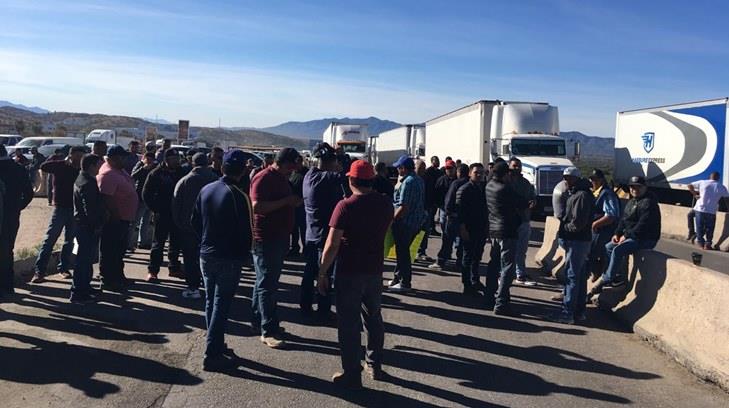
pixel 709 193
pixel 639 228
pixel 605 218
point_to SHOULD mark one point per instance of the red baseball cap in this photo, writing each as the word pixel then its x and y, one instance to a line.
pixel 450 164
pixel 361 170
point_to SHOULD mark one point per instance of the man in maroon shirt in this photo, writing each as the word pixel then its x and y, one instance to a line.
pixel 273 208
pixel 356 240
pixel 64 171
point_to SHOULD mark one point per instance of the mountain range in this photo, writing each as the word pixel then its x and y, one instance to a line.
pixel 295 134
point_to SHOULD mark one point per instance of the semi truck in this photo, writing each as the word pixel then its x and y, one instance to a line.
pixel 673 146
pixel 487 129
pixel 351 138
pixel 109 136
pixel 406 140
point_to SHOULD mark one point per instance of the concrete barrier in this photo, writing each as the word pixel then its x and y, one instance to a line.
pixel 679 308
pixel 674 225
pixel 547 255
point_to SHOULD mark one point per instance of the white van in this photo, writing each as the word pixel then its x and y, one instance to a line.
pixel 46 145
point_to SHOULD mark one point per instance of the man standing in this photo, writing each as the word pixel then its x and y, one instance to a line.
pixel 64 175
pixel 450 225
pixel 141 230
pixel 35 164
pixel 216 158
pixel 273 208
pixel 89 214
pixel 120 199
pixel 430 178
pixel 298 233
pixel 639 228
pixel 100 148
pixel 157 194
pixel 222 222
pixel 183 201
pixel 409 217
pixel 575 231
pixel 382 182
pixel 504 219
pixel 356 241
pixel 57 155
pixel 473 216
pixel 323 189
pixel 525 189
pixel 604 220
pixel 18 194
pixel 133 157
pixel 441 190
pixel 709 193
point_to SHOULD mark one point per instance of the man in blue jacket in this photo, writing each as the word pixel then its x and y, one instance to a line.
pixel 222 221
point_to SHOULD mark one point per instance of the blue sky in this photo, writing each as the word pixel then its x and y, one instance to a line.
pixel 262 63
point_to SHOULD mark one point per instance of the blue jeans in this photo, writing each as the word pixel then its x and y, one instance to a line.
pixel 268 259
pixel 617 254
pixel 705 223
pixel 575 288
pixel 597 256
pixel 450 235
pixel 403 236
pixel 140 231
pixel 61 219
pixel 507 272
pixel 313 252
pixel 88 243
pixel 520 250
pixel 221 278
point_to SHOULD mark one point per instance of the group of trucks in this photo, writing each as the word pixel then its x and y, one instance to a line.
pixel 670 146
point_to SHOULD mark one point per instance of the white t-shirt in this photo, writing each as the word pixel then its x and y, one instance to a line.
pixel 710 192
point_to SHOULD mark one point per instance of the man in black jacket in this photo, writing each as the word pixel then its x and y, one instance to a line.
pixel 157 194
pixel 503 204
pixel 449 223
pixel 639 228
pixel 89 214
pixel 382 182
pixel 575 230
pixel 431 176
pixel 18 194
pixel 473 216
pixel 141 230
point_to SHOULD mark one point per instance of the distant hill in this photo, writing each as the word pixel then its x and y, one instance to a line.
pixel 313 129
pixel 158 121
pixel 590 146
pixel 33 109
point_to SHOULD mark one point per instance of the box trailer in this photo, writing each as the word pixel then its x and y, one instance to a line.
pixel 352 139
pixel 487 129
pixel 672 146
pixel 405 140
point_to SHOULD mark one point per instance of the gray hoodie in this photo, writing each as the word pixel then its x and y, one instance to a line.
pixel 185 195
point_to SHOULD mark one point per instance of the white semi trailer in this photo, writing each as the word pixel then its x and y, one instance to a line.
pixel 405 140
pixel 353 139
pixel 487 129
pixel 107 135
pixel 672 146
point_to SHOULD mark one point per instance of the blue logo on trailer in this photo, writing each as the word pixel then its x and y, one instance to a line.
pixel 648 141
pixel 716 115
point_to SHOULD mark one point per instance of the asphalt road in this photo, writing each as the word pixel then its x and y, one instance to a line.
pixel 442 350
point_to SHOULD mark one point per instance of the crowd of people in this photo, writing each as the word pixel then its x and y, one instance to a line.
pixel 217 210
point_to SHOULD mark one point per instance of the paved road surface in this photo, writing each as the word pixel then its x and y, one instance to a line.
pixel 442 349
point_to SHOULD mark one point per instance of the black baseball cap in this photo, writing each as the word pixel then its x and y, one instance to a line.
pixel 636 181
pixel 171 153
pixel 597 174
pixel 287 155
pixel 116 150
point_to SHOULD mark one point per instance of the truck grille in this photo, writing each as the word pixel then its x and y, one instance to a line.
pixel 547 179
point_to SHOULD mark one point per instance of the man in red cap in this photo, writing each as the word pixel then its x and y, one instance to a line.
pixel 356 242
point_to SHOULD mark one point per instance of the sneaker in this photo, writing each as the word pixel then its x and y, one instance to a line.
pixel 558 297
pixel 470 290
pixel 526 281
pixel 691 237
pixel 350 382
pixel 393 282
pixel 561 318
pixel 435 266
pixel 219 363
pixel 505 311
pixel 38 278
pixel 400 288
pixel 581 317
pixel 374 372
pixel 191 294
pixel 113 287
pixel 479 286
pixel 425 258
pixel 65 275
pixel 708 247
pixel 615 284
pixel 83 299
pixel 274 341
pixel 152 278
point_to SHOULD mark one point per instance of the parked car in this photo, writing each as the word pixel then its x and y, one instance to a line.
pixel 46 145
pixel 10 140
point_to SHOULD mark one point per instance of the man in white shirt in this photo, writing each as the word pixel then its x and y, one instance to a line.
pixel 709 193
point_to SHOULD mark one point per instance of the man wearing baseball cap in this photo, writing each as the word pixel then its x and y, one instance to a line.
pixel 356 242
pixel 409 217
pixel 606 214
pixel 441 189
pixel 639 228
pixel 222 219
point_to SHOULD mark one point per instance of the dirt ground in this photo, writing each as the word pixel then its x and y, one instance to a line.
pixel 33 224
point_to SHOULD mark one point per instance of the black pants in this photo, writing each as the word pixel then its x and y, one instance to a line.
pixel 164 229
pixel 298 235
pixel 8 233
pixel 493 271
pixel 114 238
pixel 191 256
pixel 472 254
pixel 359 298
